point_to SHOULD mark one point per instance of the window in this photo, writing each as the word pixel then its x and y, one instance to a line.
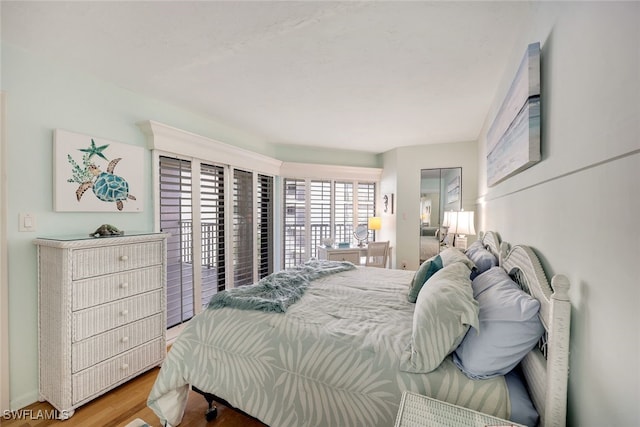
pixel 265 225
pixel 343 224
pixel 176 219
pixel 243 213
pixel 192 211
pixel 366 203
pixel 315 210
pixel 295 208
pixel 320 213
pixel 212 226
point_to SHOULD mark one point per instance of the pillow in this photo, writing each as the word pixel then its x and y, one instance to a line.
pixel 451 255
pixel 474 247
pixel 509 327
pixel 444 310
pixel 522 409
pixel 424 272
pixel 483 260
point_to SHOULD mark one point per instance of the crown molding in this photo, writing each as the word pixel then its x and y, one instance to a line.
pixel 173 140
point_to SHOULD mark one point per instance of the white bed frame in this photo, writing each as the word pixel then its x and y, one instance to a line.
pixel 546 367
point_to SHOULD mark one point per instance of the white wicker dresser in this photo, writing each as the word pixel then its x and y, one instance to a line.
pixel 102 318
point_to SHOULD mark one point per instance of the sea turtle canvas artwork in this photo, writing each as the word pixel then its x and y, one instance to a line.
pixel 100 175
pixel 106 186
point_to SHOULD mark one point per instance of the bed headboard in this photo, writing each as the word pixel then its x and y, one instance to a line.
pixel 491 241
pixel 546 368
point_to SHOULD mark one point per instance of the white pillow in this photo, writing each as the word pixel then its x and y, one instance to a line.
pixel 444 310
pixel 451 255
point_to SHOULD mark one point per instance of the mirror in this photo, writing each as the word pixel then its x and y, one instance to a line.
pixel 361 234
pixel 440 191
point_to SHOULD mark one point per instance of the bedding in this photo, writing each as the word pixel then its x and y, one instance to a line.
pixel 522 409
pixel 333 358
pixel 427 269
pixel 481 257
pixel 277 291
pixel 452 255
pixel 509 327
pixel 444 311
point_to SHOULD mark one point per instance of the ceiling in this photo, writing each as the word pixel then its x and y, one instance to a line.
pixel 368 76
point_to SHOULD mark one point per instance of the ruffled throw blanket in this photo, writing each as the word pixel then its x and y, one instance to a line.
pixel 278 291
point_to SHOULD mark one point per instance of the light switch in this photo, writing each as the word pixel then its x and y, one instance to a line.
pixel 27 222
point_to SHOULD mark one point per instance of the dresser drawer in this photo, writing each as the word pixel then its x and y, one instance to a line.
pixel 93 262
pixel 351 256
pixel 101 347
pixel 106 375
pixel 93 321
pixel 102 289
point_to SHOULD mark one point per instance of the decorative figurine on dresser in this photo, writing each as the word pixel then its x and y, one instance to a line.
pixel 102 317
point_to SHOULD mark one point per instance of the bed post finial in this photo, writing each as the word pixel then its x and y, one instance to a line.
pixel 504 250
pixel 560 285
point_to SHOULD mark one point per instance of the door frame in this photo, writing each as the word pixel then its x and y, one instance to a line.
pixel 4 274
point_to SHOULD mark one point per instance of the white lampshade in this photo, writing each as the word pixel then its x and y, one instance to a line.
pixel 464 223
pixel 446 222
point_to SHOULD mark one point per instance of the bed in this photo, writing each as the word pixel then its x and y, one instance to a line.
pixel 344 352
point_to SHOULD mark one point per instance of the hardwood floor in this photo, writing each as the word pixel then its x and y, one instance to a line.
pixel 123 405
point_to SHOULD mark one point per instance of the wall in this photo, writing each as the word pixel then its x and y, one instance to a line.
pixel 42 96
pixel 4 277
pixel 401 175
pixel 578 207
pixel 319 155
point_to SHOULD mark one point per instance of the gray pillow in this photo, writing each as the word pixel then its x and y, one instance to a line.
pixel 444 310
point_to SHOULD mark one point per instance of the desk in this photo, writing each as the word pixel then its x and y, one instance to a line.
pixel 352 254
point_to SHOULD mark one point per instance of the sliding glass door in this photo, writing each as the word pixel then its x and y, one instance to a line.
pixel 193 211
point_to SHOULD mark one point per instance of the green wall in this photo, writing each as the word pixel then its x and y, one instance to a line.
pixel 42 96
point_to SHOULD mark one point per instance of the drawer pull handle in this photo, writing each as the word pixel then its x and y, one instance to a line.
pixel 125 339
pixel 124 258
pixel 124 285
pixel 124 312
pixel 125 366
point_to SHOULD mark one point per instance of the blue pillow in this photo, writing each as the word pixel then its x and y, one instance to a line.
pixel 509 327
pixel 482 258
pixel 474 246
pixel 522 409
pixel 425 271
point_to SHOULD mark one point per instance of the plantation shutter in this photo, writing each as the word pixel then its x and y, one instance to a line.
pixel 366 204
pixel 265 225
pixel 320 213
pixel 176 219
pixel 294 222
pixel 212 228
pixel 243 227
pixel 343 224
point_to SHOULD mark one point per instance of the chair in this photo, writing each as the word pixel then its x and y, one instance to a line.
pixel 377 253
